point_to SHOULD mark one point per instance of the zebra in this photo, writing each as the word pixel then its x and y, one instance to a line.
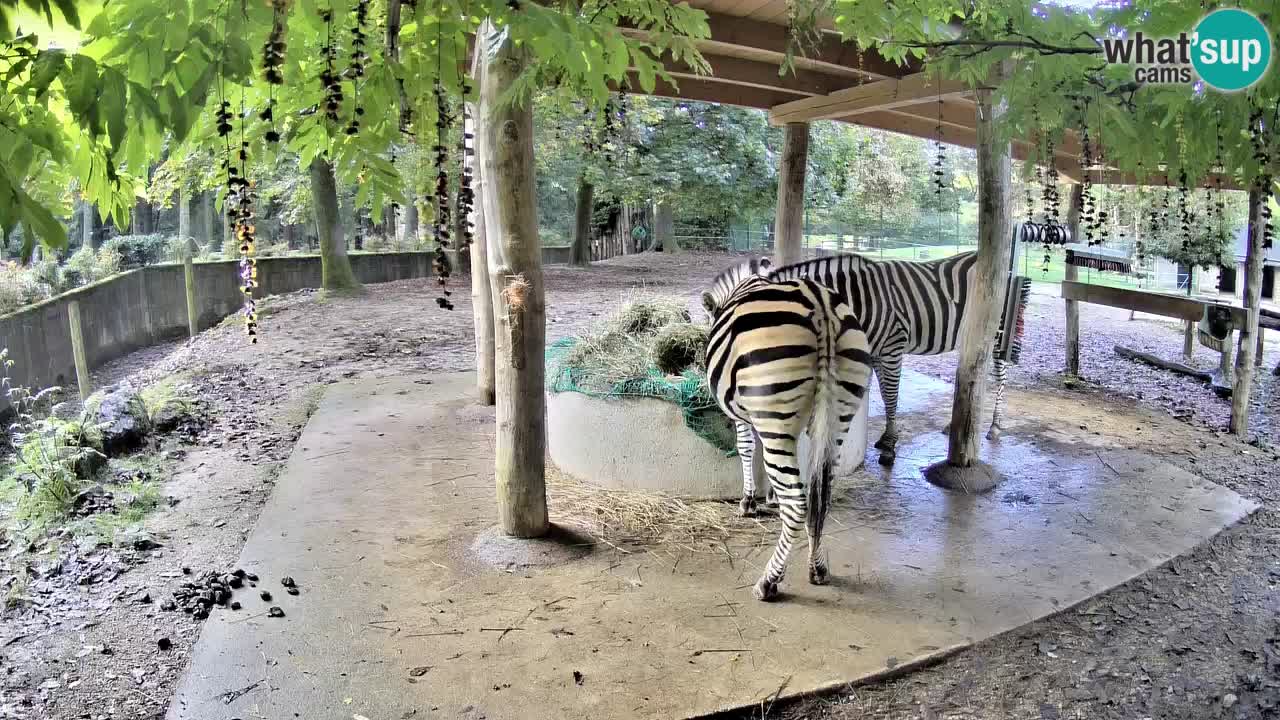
pixel 906 307
pixel 786 357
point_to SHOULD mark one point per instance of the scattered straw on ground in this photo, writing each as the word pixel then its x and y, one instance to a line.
pixel 633 517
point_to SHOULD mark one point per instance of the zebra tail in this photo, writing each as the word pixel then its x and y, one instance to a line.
pixel 824 422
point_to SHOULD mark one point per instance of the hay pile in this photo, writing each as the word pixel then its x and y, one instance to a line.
pixel 647 333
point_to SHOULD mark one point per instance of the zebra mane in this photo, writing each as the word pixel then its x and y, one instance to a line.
pixel 848 262
pixel 729 280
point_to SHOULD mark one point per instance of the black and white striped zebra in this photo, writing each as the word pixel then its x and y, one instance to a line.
pixel 786 358
pixel 907 308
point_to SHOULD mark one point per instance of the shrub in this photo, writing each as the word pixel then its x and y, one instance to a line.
pixel 20 286
pixel 136 251
pixel 87 266
pixel 52 454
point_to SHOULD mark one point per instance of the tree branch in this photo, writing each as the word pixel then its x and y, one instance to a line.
pixel 985 45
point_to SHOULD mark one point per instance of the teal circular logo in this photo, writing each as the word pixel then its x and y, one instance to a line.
pixel 1231 49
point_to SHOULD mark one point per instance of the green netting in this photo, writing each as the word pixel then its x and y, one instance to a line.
pixel 688 391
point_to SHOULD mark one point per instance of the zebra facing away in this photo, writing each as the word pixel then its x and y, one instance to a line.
pixel 910 307
pixel 786 358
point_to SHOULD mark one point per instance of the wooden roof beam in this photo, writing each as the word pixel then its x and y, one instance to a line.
pixel 756 74
pixel 871 97
pixel 766 42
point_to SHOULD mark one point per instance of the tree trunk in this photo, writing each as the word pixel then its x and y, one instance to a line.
pixel 789 222
pixel 664 229
pixel 1073 274
pixel 515 265
pixel 335 268
pixel 977 333
pixel 184 216
pixel 208 221
pixel 1252 304
pixel 92 226
pixel 580 254
pixel 409 234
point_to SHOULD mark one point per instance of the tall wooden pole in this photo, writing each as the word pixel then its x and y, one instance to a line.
pixel 788 225
pixel 515 266
pixel 1073 274
pixel 482 297
pixel 1252 304
pixel 977 334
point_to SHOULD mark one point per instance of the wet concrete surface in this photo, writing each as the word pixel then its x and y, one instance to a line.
pixel 403 614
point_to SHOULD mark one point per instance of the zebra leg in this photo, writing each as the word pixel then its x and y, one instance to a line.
pixel 784 475
pixel 1001 370
pixel 746 451
pixel 889 372
pixel 819 505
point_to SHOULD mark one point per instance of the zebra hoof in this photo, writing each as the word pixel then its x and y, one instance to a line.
pixel 765 591
pixel 819 575
pixel 747 508
pixel 887 457
pixel 994 433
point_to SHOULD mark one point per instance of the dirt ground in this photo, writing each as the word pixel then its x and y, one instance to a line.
pixel 1197 638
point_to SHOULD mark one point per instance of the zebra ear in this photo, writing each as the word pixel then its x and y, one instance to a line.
pixel 764 265
pixel 709 303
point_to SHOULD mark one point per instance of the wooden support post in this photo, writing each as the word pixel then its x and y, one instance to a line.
pixel 77 349
pixel 482 296
pixel 1225 375
pixel 1073 274
pixel 1262 341
pixel 515 266
pixel 1252 304
pixel 977 333
pixel 1189 327
pixel 788 225
pixel 189 279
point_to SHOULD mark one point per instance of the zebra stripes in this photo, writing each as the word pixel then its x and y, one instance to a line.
pixel 785 358
pixel 907 308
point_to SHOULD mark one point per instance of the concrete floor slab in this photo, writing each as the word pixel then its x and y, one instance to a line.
pixel 379 511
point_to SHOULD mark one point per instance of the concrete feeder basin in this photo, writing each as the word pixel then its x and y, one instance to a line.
pixel 644 444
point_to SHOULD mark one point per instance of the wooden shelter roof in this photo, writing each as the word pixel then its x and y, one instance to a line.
pixel 839 81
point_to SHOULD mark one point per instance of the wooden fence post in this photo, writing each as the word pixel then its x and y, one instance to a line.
pixel 189 278
pixel 789 219
pixel 515 265
pixel 77 350
pixel 1073 273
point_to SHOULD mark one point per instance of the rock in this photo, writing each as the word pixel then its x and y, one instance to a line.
pixel 1229 700
pixel 124 421
pixel 288 582
pixel 275 612
pixel 170 417
pixel 164 643
pixel 93 499
pixel 88 465
pixel 266 596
